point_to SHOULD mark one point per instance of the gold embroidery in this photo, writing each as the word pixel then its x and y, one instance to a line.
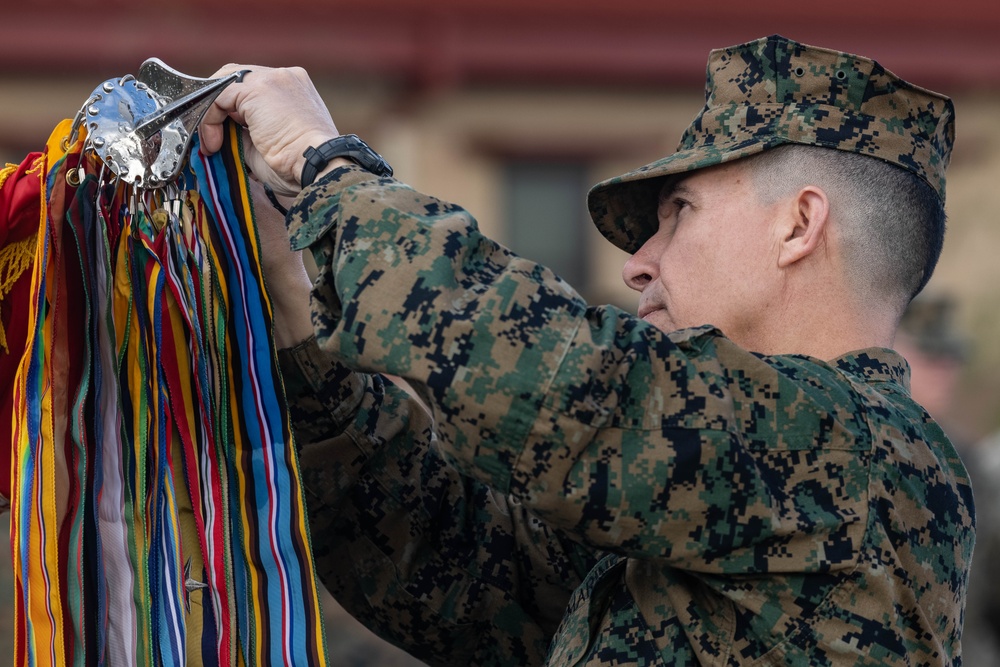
pixel 15 259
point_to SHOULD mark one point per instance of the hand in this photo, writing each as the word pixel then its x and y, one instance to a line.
pixel 283 114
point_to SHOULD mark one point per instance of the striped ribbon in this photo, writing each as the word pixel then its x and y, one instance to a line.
pixel 41 503
pixel 157 511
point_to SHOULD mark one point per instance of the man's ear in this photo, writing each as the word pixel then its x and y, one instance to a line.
pixel 804 227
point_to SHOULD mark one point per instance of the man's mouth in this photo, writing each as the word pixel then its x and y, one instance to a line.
pixel 644 311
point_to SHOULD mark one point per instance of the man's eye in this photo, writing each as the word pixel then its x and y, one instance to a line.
pixel 680 204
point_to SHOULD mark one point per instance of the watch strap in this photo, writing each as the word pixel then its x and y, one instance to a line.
pixel 350 146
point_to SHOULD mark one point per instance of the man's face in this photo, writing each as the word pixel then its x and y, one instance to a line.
pixel 713 259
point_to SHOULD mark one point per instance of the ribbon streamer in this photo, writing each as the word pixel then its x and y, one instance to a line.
pixel 157 509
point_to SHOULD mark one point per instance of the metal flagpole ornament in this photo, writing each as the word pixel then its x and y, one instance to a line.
pixel 141 127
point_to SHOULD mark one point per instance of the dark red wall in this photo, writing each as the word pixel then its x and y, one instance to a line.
pixel 447 42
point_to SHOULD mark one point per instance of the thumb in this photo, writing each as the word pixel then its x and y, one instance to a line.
pixel 224 106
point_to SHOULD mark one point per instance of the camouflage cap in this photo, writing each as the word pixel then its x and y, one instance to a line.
pixel 774 91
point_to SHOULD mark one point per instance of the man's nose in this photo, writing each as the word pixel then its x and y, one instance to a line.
pixel 640 269
pixel 643 267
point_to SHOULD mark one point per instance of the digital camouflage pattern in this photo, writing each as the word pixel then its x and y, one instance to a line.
pixel 592 490
pixel 774 91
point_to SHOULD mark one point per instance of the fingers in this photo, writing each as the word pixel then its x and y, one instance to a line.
pixel 226 70
pixel 283 113
pixel 225 106
pixel 211 137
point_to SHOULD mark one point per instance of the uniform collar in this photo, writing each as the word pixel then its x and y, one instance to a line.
pixel 876 364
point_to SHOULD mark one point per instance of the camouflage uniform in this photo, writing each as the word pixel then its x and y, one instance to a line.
pixel 590 489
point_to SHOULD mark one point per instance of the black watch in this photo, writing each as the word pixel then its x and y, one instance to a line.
pixel 347 145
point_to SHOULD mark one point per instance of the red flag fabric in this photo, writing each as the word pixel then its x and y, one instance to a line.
pixel 20 213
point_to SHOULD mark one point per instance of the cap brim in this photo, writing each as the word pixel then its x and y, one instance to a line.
pixel 624 207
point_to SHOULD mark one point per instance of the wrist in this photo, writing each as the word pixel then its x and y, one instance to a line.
pixel 322 158
pixel 300 157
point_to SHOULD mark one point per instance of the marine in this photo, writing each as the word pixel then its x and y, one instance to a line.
pixel 735 475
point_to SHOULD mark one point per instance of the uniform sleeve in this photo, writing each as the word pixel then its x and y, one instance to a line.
pixel 682 447
pixel 432 561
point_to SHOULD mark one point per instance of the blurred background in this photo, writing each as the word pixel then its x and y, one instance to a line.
pixel 513 108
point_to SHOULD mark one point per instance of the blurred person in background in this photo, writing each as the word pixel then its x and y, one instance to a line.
pixel 737 475
pixel 929 340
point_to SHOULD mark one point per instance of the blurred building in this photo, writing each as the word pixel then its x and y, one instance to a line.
pixel 513 108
